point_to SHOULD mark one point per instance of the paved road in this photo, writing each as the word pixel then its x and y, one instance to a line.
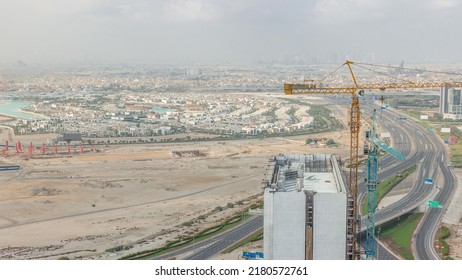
pixel 206 248
pixel 425 234
pixel 423 147
pixel 389 166
pixel 228 238
pixel 430 152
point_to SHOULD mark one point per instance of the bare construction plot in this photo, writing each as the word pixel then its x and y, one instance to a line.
pixel 83 205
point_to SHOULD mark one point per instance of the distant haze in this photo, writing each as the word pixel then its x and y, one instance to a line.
pixel 228 31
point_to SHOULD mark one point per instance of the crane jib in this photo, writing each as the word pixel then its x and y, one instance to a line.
pixel 314 89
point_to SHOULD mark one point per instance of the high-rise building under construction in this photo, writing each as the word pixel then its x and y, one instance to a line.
pixel 305 213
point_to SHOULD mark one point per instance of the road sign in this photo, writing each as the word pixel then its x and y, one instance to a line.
pixel 429 181
pixel 430 129
pixel 433 204
pixel 259 255
pixel 249 255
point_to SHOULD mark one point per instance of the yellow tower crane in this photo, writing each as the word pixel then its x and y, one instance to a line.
pixel 357 90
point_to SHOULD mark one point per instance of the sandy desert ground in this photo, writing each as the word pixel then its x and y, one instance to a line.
pixel 138 195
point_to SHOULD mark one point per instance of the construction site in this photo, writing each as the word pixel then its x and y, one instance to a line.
pixel 80 204
pixel 139 196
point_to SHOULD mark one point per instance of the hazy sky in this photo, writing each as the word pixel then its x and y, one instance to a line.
pixel 227 31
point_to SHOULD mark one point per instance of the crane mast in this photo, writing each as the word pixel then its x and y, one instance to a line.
pixel 372 176
pixel 374 144
pixel 352 209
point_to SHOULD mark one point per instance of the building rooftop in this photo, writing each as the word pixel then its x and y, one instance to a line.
pixel 305 208
pixel 319 173
pixel 320 182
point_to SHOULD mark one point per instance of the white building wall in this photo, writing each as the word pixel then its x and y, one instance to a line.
pixel 268 209
pixel 329 226
pixel 284 228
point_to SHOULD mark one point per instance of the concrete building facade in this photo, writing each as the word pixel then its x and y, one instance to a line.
pixel 450 103
pixel 304 208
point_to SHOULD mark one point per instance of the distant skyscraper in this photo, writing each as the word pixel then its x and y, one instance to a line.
pixel 450 103
pixel 444 106
pixel 455 106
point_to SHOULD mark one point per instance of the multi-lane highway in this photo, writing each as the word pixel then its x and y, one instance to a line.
pixel 404 140
pixel 206 248
pixel 429 151
pixel 425 234
pixel 228 238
